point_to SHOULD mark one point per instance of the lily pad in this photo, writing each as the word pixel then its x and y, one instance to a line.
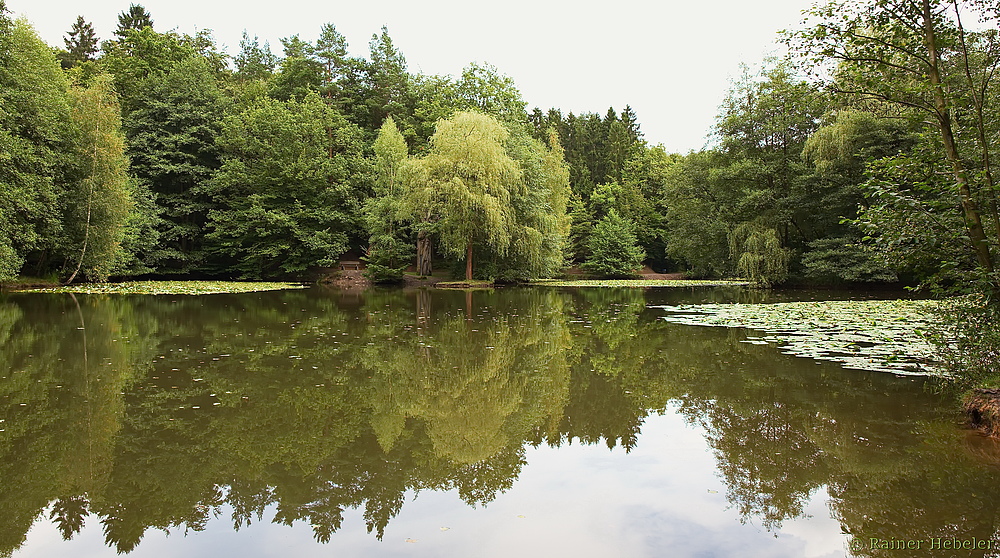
pixel 637 283
pixel 169 287
pixel 879 335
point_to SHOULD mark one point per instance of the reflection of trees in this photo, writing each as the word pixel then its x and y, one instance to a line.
pixel 282 400
pixel 309 404
pixel 65 366
pixel 885 450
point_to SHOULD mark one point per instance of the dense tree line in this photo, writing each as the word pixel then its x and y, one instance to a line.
pixel 265 165
pixel 271 167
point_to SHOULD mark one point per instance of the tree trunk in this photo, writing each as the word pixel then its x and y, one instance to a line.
pixel 468 262
pixel 979 100
pixel 424 254
pixel 973 222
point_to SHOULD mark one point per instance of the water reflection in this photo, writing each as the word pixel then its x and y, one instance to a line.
pixel 295 407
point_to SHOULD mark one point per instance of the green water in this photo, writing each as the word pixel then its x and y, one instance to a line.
pixel 531 422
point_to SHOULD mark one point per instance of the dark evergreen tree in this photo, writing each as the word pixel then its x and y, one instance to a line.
pixel 136 17
pixel 81 44
pixel 388 85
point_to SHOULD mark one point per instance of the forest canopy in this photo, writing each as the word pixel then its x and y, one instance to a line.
pixel 863 157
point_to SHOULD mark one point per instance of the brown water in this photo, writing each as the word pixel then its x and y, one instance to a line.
pixel 520 422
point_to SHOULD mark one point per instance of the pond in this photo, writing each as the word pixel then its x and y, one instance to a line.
pixel 528 422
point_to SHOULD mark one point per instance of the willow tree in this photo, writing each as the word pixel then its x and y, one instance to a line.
pixel 470 177
pixel 539 240
pixel 99 203
pixel 758 253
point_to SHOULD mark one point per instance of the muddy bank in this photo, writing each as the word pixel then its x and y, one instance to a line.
pixel 983 409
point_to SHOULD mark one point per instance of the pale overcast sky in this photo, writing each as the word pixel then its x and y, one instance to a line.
pixel 670 60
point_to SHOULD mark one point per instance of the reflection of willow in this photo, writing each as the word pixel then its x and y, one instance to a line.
pixel 478 385
pixel 298 411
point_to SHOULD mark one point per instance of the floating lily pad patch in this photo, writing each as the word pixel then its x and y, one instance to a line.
pixel 170 287
pixel 879 335
pixel 638 283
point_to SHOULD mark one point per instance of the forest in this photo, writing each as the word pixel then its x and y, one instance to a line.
pixel 863 157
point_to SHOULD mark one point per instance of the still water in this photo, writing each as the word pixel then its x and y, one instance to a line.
pixel 515 422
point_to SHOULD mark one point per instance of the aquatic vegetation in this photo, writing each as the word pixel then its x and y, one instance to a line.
pixel 878 335
pixel 170 287
pixel 637 283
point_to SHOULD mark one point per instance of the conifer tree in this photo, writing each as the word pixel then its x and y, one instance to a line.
pixel 81 44
pixel 136 17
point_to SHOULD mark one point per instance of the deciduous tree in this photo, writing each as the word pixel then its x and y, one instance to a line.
pixel 96 205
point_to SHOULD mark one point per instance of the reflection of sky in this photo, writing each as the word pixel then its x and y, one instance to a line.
pixel 662 499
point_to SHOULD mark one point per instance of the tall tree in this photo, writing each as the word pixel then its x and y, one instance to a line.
pixel 34 142
pixel 136 17
pixel 284 204
pixel 331 50
pixel 172 130
pixel 388 83
pixel 474 177
pixel 97 206
pixel 81 44
pixel 387 248
pixel 895 54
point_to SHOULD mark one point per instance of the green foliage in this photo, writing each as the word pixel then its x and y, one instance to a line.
pixel 139 54
pixel 758 254
pixel 172 128
pixel 389 249
pixel 484 89
pixel 34 136
pixel 845 260
pixel 970 347
pixel 614 249
pixel 911 222
pixel 917 58
pixel 290 189
pixel 97 204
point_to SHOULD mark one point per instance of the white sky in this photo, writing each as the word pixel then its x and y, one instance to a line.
pixel 670 60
